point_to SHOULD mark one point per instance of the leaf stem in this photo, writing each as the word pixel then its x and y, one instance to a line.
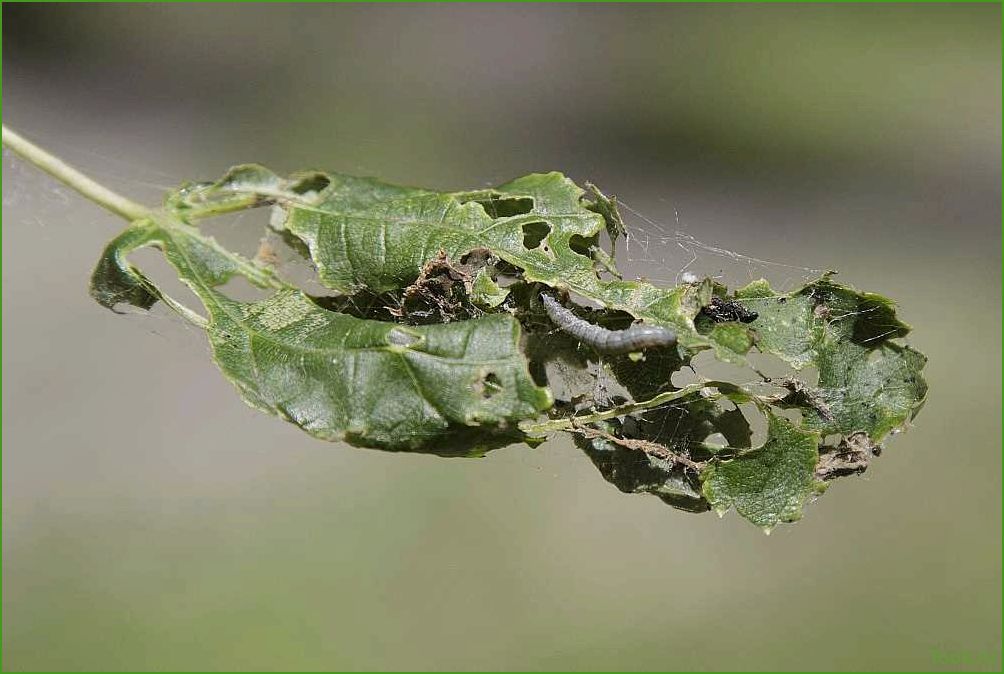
pixel 71 177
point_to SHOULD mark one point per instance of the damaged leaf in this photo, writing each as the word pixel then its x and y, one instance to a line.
pixel 443 336
pixel 768 484
pixel 338 377
pixel 867 383
pixel 465 358
pixel 364 234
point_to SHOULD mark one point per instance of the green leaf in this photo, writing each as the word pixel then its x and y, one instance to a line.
pixel 458 387
pixel 412 256
pixel 338 377
pixel 867 383
pixel 768 484
pixel 365 234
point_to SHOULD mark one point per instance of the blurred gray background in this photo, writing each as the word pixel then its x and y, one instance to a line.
pixel 152 521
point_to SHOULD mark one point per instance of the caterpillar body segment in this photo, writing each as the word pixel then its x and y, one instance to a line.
pixel 635 338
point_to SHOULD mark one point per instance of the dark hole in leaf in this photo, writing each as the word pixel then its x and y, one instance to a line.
pixel 875 323
pixel 477 258
pixel 506 269
pixel 491 385
pixel 538 372
pixel 581 245
pixel 363 304
pixel 313 182
pixel 733 426
pixel 506 206
pixel 534 233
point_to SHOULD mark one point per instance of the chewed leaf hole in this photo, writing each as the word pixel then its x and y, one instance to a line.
pixel 506 207
pixel 581 245
pixel 534 233
pixel 152 264
pixel 491 385
pixel 312 182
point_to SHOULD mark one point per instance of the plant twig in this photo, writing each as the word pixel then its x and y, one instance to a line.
pixel 71 177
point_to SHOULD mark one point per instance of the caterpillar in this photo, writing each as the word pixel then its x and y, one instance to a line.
pixel 635 338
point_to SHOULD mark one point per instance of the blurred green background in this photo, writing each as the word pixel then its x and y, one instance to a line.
pixel 152 521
